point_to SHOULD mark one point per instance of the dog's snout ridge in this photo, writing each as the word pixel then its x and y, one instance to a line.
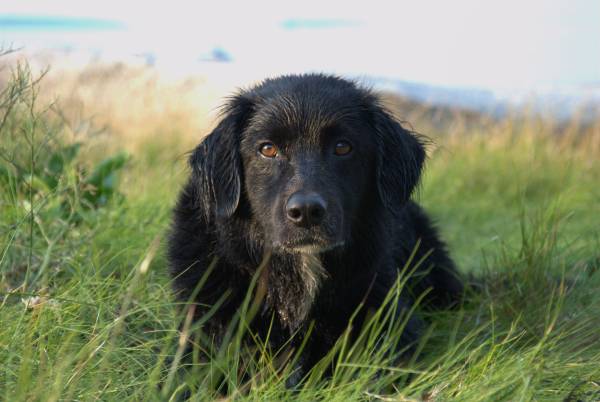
pixel 306 209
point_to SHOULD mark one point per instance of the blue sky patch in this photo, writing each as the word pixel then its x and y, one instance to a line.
pixel 318 23
pixel 55 23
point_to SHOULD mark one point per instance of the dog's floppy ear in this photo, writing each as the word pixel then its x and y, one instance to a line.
pixel 400 160
pixel 216 163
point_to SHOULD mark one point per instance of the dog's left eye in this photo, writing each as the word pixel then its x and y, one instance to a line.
pixel 269 150
pixel 342 148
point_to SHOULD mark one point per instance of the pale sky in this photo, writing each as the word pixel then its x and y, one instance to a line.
pixel 487 44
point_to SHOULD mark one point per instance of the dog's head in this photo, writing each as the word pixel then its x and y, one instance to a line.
pixel 307 154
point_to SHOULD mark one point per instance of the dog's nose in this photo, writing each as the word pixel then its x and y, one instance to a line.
pixel 306 209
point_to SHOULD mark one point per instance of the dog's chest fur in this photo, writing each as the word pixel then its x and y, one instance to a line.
pixel 293 285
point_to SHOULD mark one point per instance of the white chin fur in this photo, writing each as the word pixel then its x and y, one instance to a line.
pixel 316 249
pixel 313 274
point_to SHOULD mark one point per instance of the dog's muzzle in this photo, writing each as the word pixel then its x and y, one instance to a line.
pixel 306 209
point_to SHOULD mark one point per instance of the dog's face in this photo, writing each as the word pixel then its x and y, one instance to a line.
pixel 307 172
pixel 306 152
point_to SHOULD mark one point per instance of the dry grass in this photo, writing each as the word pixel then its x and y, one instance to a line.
pixel 127 105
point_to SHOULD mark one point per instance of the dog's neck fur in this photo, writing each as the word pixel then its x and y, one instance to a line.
pixel 293 279
pixel 294 282
pixel 313 273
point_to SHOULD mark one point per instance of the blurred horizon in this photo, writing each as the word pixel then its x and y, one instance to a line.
pixel 473 52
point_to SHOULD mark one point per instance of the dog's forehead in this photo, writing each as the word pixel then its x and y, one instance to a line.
pixel 308 111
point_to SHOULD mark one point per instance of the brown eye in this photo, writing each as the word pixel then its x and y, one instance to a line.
pixel 342 148
pixel 268 150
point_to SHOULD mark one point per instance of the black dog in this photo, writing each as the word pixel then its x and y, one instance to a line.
pixel 311 171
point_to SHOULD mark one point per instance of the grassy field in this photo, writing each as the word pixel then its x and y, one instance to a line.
pixel 86 311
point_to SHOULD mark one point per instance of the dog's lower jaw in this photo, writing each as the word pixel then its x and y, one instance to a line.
pixel 307 249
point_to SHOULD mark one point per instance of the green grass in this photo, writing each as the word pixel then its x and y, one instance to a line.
pixel 86 310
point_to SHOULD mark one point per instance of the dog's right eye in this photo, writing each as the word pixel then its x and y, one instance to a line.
pixel 342 148
pixel 268 150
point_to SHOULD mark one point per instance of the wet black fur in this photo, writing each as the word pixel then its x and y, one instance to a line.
pixel 232 208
